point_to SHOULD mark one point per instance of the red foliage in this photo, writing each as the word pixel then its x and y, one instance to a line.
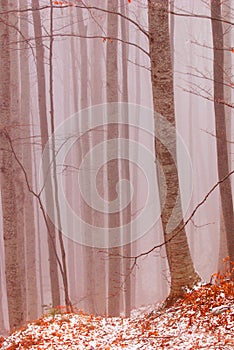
pixel 204 318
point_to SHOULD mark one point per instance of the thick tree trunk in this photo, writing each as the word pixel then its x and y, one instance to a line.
pixel 178 254
pixel 220 123
pixel 8 190
pixel 16 135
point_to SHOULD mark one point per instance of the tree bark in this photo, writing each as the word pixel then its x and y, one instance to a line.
pixel 220 124
pixel 114 280
pixel 85 146
pixel 227 39
pixel 16 135
pixel 97 92
pixel 125 170
pixel 54 167
pixel 8 190
pixel 44 138
pixel 178 254
pixel 29 223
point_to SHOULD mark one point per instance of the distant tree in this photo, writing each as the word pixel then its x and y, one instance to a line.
pixel 114 279
pixel 97 96
pixel 124 166
pixel 63 264
pixel 42 106
pixel 85 144
pixel 25 121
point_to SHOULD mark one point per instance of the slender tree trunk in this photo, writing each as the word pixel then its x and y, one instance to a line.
pixel 220 123
pixel 125 169
pixel 29 224
pixel 85 145
pixel 178 254
pixel 114 288
pixel 8 190
pixel 39 242
pixel 44 138
pixel 97 91
pixel 54 167
pixel 68 57
pixel 227 39
pixel 74 65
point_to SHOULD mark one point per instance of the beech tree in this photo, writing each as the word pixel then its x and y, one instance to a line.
pixel 29 222
pixel 227 41
pixel 113 165
pixel 97 91
pixel 181 266
pixel 9 192
pixel 16 135
pixel 125 168
pixel 85 144
pixel 42 105
pixel 220 123
pixel 99 72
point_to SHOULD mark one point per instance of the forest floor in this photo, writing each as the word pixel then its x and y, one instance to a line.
pixel 203 319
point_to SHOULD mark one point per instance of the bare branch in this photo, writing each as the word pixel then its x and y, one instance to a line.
pixel 192 15
pixel 80 7
pixel 104 38
pixel 37 196
pixel 136 257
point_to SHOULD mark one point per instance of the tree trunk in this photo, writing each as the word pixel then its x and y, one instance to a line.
pixel 97 92
pixel 85 146
pixel 114 287
pixel 16 135
pixel 29 224
pixel 220 124
pixel 8 190
pixel 178 254
pixel 227 38
pixel 44 138
pixel 125 169
pixel 63 268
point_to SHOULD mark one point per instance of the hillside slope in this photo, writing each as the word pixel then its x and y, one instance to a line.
pixel 204 319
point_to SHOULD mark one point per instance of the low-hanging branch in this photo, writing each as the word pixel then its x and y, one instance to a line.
pixel 83 7
pixel 38 197
pixel 86 7
pixel 136 257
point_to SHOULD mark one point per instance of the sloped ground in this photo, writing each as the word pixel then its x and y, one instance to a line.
pixel 204 319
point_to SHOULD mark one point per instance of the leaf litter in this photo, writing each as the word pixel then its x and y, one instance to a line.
pixel 203 319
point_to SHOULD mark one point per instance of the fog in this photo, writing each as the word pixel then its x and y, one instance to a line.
pixel 92 157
